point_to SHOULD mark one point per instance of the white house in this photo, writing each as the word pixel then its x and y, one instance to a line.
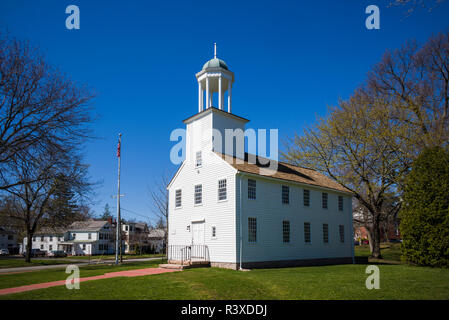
pixel 80 238
pixel 135 236
pixel 238 213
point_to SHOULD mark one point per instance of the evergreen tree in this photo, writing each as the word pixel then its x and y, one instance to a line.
pixel 425 211
pixel 106 212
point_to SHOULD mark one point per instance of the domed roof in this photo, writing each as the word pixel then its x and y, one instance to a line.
pixel 215 63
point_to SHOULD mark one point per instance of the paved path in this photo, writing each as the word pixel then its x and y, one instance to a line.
pixel 63 266
pixel 128 273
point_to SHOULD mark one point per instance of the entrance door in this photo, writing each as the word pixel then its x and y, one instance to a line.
pixel 198 233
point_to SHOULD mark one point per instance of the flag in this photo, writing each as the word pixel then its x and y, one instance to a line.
pixel 118 149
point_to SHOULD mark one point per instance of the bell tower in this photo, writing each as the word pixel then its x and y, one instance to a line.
pixel 215 78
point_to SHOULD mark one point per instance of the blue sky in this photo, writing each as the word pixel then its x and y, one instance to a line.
pixel 290 58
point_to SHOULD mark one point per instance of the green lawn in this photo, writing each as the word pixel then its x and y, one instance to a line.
pixel 24 278
pixel 325 282
pixel 397 281
pixel 391 252
pixel 112 256
pixel 20 262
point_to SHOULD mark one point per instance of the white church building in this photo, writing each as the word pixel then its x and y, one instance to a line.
pixel 234 211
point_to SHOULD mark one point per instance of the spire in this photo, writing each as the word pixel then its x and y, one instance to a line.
pixel 215 50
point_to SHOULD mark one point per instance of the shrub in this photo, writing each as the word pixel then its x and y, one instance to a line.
pixel 425 210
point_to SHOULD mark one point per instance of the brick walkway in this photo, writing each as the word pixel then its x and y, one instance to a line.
pixel 128 273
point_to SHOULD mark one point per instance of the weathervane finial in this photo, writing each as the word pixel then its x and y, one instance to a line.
pixel 215 50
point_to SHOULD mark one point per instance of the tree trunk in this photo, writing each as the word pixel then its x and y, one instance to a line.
pixel 375 235
pixel 29 247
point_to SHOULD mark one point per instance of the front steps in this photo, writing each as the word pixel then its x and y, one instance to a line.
pixel 186 265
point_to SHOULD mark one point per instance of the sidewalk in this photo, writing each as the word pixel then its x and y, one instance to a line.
pixel 128 273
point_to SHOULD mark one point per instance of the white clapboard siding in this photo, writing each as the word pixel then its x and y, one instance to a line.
pixel 269 211
pixel 220 214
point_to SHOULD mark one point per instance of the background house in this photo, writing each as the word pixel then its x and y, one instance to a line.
pixel 8 240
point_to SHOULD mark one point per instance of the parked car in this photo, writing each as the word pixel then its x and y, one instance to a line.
pixel 4 252
pixel 35 253
pixel 57 253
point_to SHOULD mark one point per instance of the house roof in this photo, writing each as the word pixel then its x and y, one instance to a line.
pixel 214 109
pixel 90 225
pixel 50 231
pixel 285 171
pixel 156 233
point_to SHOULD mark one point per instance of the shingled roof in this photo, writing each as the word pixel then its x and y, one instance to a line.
pixel 285 171
pixel 90 225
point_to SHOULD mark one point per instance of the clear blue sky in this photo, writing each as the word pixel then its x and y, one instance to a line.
pixel 290 58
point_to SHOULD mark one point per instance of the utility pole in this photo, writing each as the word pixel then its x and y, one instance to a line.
pixel 118 240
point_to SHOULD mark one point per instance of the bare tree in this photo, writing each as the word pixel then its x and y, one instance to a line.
pixel 41 110
pixel 35 203
pixel 159 198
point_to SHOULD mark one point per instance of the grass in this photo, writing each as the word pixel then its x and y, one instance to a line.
pixel 391 252
pixel 325 282
pixel 20 262
pixel 112 256
pixel 397 281
pixel 24 278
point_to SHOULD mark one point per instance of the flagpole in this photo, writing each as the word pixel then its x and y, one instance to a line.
pixel 118 240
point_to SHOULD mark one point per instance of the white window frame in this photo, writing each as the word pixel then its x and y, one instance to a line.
pixel 341 233
pixel 341 204
pixel 252 189
pixel 325 234
pixel 198 159
pixel 222 189
pixel 284 187
pixel 176 198
pixel 251 230
pixel 310 233
pixel 304 198
pixel 195 194
pixel 286 228
pixel 324 200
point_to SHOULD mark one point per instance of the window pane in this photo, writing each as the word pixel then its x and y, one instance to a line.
pixel 222 189
pixel 306 199
pixel 324 198
pixel 307 232
pixel 285 194
pixel 251 189
pixel 178 198
pixel 199 160
pixel 342 233
pixel 325 233
pixel 252 229
pixel 286 231
pixel 198 194
pixel 340 203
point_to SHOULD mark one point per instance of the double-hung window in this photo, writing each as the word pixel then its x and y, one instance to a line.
pixel 252 229
pixel 178 198
pixel 325 233
pixel 324 200
pixel 286 231
pixel 285 194
pixel 222 194
pixel 199 194
pixel 251 189
pixel 340 203
pixel 341 229
pixel 198 159
pixel 306 198
pixel 307 237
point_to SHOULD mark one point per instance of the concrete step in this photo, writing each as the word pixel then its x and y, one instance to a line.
pixel 193 264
